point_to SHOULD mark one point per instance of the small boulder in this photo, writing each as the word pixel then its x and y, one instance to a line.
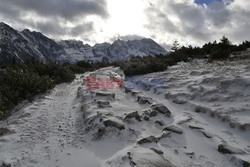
pixel 146 118
pixel 144 100
pixel 174 129
pixel 135 93
pixel 133 115
pixel 114 123
pixel 103 104
pixel 207 134
pixel 195 127
pixel 106 94
pixel 150 139
pixel 159 123
pixel 138 157
pixel 127 90
pixel 161 109
pixel 153 113
pixel 157 151
pixel 226 149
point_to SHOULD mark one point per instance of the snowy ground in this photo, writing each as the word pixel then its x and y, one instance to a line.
pixel 199 118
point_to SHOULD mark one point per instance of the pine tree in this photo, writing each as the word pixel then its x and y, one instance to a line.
pixel 222 50
pixel 175 46
pixel 225 41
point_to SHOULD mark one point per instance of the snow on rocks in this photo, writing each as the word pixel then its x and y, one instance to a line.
pixel 157 151
pixel 196 127
pixel 209 102
pixel 144 100
pixel 174 129
pixel 125 116
pixel 226 149
pixel 133 115
pixel 150 139
pixel 147 121
pixel 139 157
pixel 114 122
pixel 207 134
pixel 161 109
pixel 103 104
pixel 181 119
pixel 105 94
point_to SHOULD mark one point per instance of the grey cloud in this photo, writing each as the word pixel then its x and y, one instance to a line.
pixel 218 14
pixel 159 20
pixel 53 15
pixel 49 28
pixel 198 23
pixel 79 29
pixel 126 37
pixel 192 20
pixel 67 9
pixel 8 12
pixel 58 30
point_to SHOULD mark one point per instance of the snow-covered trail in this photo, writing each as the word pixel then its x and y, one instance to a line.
pixel 44 132
pixel 74 126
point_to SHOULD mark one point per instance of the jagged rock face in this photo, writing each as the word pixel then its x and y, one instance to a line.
pixel 75 51
pixel 44 46
pixel 101 51
pixel 26 45
pixel 12 45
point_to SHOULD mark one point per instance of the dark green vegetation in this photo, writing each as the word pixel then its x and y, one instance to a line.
pixel 143 65
pixel 214 51
pixel 20 82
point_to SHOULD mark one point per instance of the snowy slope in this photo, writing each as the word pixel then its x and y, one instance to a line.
pixel 199 118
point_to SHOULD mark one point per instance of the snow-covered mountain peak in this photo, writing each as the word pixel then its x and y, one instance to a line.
pixel 28 44
pixel 6 30
pixel 77 44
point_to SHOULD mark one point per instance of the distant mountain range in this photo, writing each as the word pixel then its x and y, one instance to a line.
pixel 25 45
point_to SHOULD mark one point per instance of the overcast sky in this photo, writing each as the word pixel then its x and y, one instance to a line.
pixel 94 21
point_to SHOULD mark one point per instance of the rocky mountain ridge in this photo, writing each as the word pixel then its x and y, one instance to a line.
pixel 21 46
